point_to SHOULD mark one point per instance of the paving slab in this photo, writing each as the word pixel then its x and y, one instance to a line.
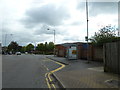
pixel 79 74
pixel 59 59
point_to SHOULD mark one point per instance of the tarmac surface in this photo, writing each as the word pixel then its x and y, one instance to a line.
pixel 26 71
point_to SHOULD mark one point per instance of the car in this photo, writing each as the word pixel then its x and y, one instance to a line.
pixel 18 53
pixel 26 52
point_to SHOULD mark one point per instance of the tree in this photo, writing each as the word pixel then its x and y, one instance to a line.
pixel 51 46
pixel 104 35
pixel 23 50
pixel 13 46
pixel 45 48
pixel 40 47
pixel 29 48
pixel 19 48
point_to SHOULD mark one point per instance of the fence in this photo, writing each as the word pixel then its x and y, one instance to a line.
pixel 97 53
pixel 94 53
pixel 111 55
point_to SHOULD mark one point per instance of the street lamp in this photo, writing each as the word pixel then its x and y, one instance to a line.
pixel 54 40
pixel 5 42
pixel 6 37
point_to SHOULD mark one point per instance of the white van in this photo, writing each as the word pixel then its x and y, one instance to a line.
pixel 18 53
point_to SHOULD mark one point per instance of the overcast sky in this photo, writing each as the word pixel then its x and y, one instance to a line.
pixel 27 21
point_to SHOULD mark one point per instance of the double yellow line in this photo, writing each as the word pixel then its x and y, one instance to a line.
pixel 47 75
pixel 47 81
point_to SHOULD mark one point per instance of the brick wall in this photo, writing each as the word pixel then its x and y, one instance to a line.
pixel 60 51
pixel 94 53
pixel 98 53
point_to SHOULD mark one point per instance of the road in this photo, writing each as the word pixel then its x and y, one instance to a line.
pixel 26 71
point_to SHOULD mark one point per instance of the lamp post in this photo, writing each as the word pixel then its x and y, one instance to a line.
pixel 54 40
pixel 6 35
pixel 6 41
pixel 87 31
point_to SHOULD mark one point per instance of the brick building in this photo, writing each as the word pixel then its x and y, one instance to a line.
pixel 94 53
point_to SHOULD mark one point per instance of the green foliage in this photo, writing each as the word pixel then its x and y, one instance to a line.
pixel 19 48
pixel 29 48
pixel 51 46
pixel 104 35
pixel 13 46
pixel 23 49
pixel 40 47
pixel 45 48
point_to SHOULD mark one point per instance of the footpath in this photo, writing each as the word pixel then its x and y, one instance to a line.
pixel 80 74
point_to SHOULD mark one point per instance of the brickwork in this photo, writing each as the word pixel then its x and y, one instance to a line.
pixel 94 53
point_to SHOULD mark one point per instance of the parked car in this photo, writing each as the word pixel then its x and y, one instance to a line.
pixel 18 53
pixel 26 52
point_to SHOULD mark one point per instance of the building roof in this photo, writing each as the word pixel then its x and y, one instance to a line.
pixel 70 44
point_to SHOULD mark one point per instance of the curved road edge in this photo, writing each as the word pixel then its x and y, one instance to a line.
pixel 53 72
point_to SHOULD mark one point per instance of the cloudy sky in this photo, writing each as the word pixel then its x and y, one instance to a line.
pixel 27 21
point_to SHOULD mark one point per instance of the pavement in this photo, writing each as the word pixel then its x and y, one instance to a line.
pixel 60 59
pixel 80 74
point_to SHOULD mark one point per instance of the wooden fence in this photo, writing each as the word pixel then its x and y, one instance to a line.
pixel 111 55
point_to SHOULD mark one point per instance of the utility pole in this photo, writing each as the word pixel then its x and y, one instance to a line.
pixel 6 35
pixel 54 36
pixel 87 31
pixel 119 19
pixel 5 38
pixel 54 43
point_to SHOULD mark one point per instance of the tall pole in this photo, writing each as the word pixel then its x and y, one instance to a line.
pixel 6 35
pixel 87 17
pixel 54 42
pixel 5 51
pixel 54 36
pixel 5 38
pixel 119 19
pixel 87 30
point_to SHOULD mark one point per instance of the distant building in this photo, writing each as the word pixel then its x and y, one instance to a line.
pixel 62 50
pixel 93 52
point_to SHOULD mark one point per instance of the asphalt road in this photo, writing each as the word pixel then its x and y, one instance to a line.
pixel 25 71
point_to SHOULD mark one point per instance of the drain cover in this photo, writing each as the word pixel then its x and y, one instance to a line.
pixel 113 83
